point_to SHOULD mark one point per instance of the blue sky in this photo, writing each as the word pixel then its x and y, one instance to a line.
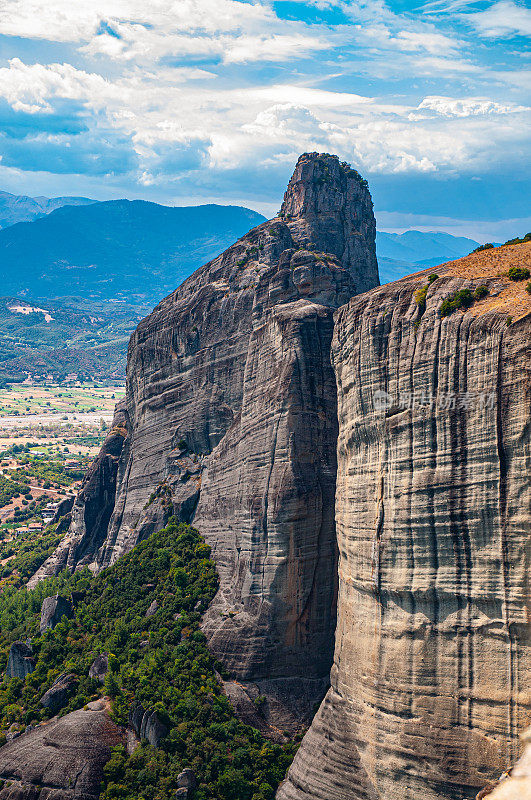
pixel 197 101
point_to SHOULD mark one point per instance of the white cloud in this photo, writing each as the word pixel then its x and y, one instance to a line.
pixel 227 128
pixel 30 88
pixel 468 106
pixel 501 19
pixel 304 87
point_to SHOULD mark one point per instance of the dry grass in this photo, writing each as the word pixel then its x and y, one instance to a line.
pixel 489 266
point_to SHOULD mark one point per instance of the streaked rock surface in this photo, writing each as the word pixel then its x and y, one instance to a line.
pixel 230 421
pixel 430 683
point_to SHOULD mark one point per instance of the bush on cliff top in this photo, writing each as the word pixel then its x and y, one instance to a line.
pixel 518 273
pixel 160 661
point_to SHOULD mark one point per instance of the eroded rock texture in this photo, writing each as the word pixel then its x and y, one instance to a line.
pixel 230 421
pixel 20 661
pixel 430 678
pixel 61 760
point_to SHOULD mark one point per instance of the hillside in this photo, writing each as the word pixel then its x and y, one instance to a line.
pixel 65 336
pixel 133 251
pixel 19 208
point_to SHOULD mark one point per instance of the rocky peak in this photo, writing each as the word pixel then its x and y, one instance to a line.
pixel 231 423
pixel 328 206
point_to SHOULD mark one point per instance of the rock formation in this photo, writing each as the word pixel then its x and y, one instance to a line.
pixel 515 784
pixel 53 609
pixel 20 661
pixel 58 693
pixel 99 668
pixel 430 679
pixel 230 420
pixel 61 760
pixel 93 506
pixel 147 724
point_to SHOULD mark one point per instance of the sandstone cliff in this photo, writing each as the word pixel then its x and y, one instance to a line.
pixel 430 682
pixel 230 420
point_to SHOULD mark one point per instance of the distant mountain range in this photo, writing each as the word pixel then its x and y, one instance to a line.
pixel 120 249
pixel 139 251
pixel 96 268
pixel 401 254
pixel 19 208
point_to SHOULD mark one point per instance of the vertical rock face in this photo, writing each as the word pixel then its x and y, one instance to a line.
pixel 20 661
pixel 52 611
pixel 430 678
pixel 231 420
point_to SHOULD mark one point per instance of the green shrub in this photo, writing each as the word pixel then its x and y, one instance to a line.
pixel 487 246
pixel 432 278
pixel 526 238
pixel 460 299
pixel 518 273
pixel 481 291
pixel 528 288
pixel 420 298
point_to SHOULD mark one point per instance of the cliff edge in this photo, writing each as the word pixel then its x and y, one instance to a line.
pixel 429 687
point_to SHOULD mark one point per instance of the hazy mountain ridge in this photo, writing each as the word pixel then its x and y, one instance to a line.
pixel 16 208
pixel 133 250
pixel 399 254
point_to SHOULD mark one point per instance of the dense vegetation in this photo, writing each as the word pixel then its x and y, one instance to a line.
pixel 27 552
pixel 11 488
pixel 45 471
pixel 161 661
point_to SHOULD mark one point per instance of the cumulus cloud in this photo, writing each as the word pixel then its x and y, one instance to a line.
pixel 196 95
pixel 468 106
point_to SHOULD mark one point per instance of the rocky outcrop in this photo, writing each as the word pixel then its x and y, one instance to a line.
pixel 53 609
pixel 63 508
pixel 20 661
pixel 515 784
pixel 61 760
pixel 99 668
pixel 430 678
pixel 93 506
pixel 147 724
pixel 186 783
pixel 230 420
pixel 59 692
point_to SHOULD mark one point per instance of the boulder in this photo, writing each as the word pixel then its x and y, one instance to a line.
pixel 62 760
pixel 53 609
pixel 20 662
pixel 152 609
pixel 58 693
pixel 99 668
pixel 186 780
